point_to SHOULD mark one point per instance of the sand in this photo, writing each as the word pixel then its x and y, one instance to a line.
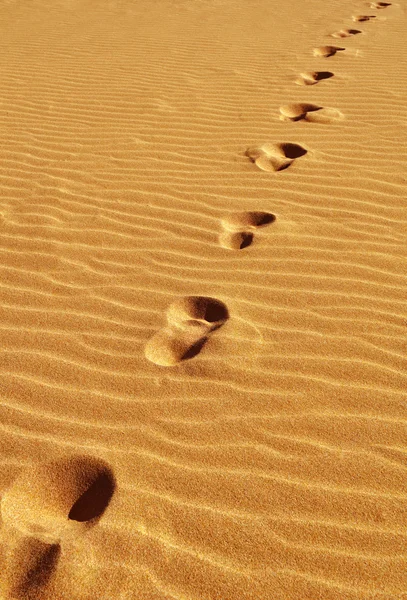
pixel 203 300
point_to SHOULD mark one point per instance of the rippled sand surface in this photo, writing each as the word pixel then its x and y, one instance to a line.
pixel 203 300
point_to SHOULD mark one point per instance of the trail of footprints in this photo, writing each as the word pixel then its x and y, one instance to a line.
pixel 50 505
pixel 188 325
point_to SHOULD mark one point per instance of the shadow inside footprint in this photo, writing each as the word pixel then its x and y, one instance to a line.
pixel 238 240
pixel 238 221
pixel 94 501
pixel 380 5
pixel 213 312
pixel 204 310
pixel 320 75
pixel 292 150
pixel 195 349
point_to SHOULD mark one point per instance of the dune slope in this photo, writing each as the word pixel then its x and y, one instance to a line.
pixel 203 300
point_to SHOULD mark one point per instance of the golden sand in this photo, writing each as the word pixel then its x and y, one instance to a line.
pixel 203 300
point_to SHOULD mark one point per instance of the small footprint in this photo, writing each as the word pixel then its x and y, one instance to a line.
pixel 313 77
pixel 46 506
pixel 310 112
pixel 275 157
pixel 327 51
pixel 362 18
pixel 190 320
pixel 239 227
pixel 344 33
pixel 378 5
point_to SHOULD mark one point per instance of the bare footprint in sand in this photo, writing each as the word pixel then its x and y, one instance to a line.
pixel 191 320
pixel 239 227
pixel 379 5
pixel 275 157
pixel 313 77
pixel 45 507
pixel 344 33
pixel 327 51
pixel 362 18
pixel 309 112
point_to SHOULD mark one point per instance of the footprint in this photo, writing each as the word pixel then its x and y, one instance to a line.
pixel 362 18
pixel 310 112
pixel 191 320
pixel 239 227
pixel 378 5
pixel 327 51
pixel 344 33
pixel 275 157
pixel 313 77
pixel 296 112
pixel 46 506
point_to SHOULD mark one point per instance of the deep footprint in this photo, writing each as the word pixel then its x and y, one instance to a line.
pixel 296 112
pixel 45 505
pixel 310 112
pixel 363 18
pixel 313 77
pixel 46 499
pixel 275 157
pixel 379 5
pixel 344 33
pixel 327 51
pixel 239 227
pixel 191 320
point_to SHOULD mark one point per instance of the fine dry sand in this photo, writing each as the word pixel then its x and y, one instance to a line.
pixel 203 300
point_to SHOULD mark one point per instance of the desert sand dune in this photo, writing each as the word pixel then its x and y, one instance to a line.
pixel 203 300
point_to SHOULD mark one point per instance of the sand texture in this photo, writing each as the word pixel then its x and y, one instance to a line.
pixel 203 300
